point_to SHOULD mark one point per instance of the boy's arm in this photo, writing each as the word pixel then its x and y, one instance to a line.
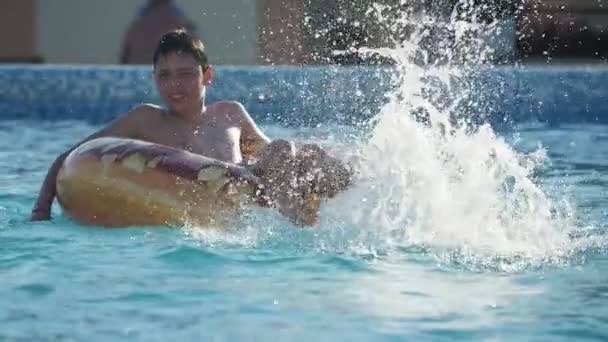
pixel 252 137
pixel 124 126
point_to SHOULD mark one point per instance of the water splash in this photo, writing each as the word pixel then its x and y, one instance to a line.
pixel 432 175
pixel 435 181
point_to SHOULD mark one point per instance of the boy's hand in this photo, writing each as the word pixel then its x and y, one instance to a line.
pixel 39 214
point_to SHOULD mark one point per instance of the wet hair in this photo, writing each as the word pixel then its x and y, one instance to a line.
pixel 181 42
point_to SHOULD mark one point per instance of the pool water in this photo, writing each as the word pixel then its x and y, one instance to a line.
pixel 268 280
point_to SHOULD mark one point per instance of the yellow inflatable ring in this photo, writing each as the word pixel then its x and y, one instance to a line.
pixel 117 182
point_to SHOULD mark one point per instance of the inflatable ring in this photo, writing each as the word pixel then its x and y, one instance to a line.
pixel 117 182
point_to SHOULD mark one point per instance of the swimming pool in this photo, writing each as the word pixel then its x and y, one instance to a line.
pixel 447 237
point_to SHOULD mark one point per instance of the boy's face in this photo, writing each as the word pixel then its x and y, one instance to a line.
pixel 180 81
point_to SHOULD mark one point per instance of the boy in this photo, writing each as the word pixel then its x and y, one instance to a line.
pixel 222 130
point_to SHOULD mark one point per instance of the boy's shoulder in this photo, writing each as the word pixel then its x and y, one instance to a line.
pixel 228 106
pixel 145 111
pixel 141 115
pixel 230 110
pixel 147 108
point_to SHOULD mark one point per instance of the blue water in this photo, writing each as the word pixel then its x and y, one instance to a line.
pixel 266 280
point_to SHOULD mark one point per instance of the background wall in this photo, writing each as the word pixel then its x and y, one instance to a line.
pixel 280 32
pixel 90 31
pixel 18 30
pixel 246 32
pixel 228 28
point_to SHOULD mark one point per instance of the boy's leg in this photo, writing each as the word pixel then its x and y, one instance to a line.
pixel 323 173
pixel 278 168
pixel 296 182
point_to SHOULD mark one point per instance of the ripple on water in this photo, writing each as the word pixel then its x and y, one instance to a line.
pixel 36 289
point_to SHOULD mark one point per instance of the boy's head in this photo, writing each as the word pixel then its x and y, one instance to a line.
pixel 181 42
pixel 181 71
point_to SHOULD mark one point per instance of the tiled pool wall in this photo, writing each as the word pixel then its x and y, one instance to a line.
pixel 307 95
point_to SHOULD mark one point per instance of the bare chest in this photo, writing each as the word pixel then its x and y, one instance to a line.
pixel 214 141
